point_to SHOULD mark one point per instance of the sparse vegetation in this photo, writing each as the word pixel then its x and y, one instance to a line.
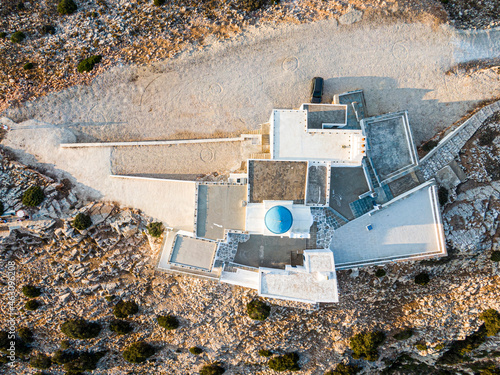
pixel 25 334
pixel 121 327
pixel 28 66
pixel 66 7
pixel 212 369
pixel 265 353
pixel 62 357
pixel 65 344
pixel 420 346
pixel 422 278
pixel 83 361
pixel 155 229
pixel 82 221
pixel 458 349
pixel 258 310
pixel 110 298
pixel 17 37
pixel 168 322
pixel 88 64
pixel 443 195
pixel 48 29
pixel 33 196
pixel 138 352
pixel 404 335
pixel 195 350
pixel 380 272
pixel 342 369
pixel 31 291
pixel 125 308
pixel 80 329
pixel 2 209
pixel 3 35
pixel 253 5
pixel 285 362
pixel 429 145
pixel 495 256
pixel 364 345
pixel 158 3
pixel 487 137
pixel 40 361
pixel 491 319
pixel 32 305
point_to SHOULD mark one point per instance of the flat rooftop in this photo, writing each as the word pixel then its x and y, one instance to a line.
pixel 346 185
pixel 390 144
pixel 268 251
pixel 317 184
pixel 277 181
pixel 193 252
pixel 290 140
pixel 319 114
pixel 407 227
pixel 220 207
pixel 355 101
pixel 316 282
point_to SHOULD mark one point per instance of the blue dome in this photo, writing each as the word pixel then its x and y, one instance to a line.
pixel 278 219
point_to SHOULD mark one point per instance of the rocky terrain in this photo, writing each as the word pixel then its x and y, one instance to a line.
pixel 79 271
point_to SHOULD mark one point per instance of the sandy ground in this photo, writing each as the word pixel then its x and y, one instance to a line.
pixel 233 86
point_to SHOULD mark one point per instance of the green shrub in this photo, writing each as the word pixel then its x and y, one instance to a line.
pixel 88 64
pixel 82 221
pixel 138 352
pixel 195 350
pixel 158 3
pixel 121 327
pixel 380 272
pixel 404 335
pixel 421 346
pixel 65 344
pixel 265 353
pixel 83 361
pixel 253 5
pixel 495 256
pixel 429 145
pixel 212 369
pixel 364 345
pixel 62 357
pixel 80 329
pixel 258 310
pixel 342 369
pixel 48 29
pixel 5 341
pixel 31 291
pixel 155 229
pixel 3 35
pixel 110 298
pixel 491 319
pixel 285 362
pixel 40 361
pixel 33 196
pixel 168 322
pixel 25 334
pixel 66 7
pixel 487 137
pixel 439 347
pixel 17 37
pixel 458 349
pixel 422 278
pixel 125 308
pixel 32 305
pixel 28 66
pixel 443 195
pixel 2 209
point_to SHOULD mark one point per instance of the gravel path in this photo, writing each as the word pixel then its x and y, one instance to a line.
pixel 234 85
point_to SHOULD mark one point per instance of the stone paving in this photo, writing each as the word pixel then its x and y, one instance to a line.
pixel 446 151
pixel 227 250
pixel 326 222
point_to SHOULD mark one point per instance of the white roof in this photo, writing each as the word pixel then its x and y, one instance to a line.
pixel 291 140
pixel 407 227
pixel 315 282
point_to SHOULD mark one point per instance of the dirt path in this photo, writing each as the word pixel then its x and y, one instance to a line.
pixel 234 85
